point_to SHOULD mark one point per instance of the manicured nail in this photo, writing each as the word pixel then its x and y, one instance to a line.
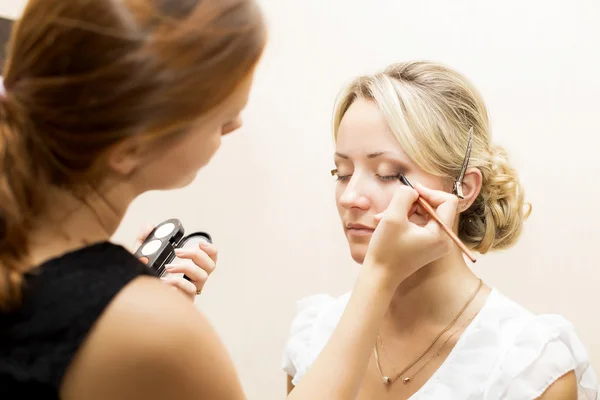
pixel 169 267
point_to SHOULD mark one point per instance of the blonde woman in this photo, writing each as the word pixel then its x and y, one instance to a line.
pixel 446 335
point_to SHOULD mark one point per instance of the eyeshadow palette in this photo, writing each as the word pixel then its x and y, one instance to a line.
pixel 160 245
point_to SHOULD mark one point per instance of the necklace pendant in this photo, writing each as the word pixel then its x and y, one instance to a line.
pixel 386 380
pixel 406 380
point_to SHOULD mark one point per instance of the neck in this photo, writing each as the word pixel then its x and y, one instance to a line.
pixel 78 222
pixel 433 294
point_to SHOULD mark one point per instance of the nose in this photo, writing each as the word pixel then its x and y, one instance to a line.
pixel 354 195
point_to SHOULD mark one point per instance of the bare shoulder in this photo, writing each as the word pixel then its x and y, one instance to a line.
pixel 564 388
pixel 151 343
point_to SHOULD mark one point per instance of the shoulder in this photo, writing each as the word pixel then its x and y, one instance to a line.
pixel 151 342
pixel 535 351
pixel 315 320
pixel 564 388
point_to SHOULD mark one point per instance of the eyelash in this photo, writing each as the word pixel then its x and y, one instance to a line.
pixel 343 178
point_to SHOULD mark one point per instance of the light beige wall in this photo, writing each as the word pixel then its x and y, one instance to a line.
pixel 268 198
pixel 11 8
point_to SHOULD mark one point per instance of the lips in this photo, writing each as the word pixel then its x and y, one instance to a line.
pixel 359 227
pixel 359 231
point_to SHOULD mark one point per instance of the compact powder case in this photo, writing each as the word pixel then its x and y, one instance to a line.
pixel 159 247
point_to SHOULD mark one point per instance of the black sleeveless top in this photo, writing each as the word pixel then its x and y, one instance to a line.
pixel 62 301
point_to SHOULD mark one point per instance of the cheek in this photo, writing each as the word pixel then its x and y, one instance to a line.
pixel 338 195
pixel 199 149
pixel 384 197
pixel 193 153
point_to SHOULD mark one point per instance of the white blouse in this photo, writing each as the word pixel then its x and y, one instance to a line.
pixel 506 352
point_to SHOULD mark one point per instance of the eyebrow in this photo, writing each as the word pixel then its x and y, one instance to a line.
pixel 369 156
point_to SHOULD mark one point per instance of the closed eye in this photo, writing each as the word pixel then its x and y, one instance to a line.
pixel 384 178
pixel 388 178
pixel 338 177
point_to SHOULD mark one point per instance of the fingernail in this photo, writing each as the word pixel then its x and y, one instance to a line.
pixel 169 267
pixel 179 252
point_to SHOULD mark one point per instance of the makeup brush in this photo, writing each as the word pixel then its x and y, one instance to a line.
pixel 433 214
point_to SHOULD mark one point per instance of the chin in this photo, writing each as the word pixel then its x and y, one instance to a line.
pixel 358 253
pixel 189 180
pixel 183 182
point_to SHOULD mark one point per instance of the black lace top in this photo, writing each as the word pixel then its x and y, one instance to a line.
pixel 62 301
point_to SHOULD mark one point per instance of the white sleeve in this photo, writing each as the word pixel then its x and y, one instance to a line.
pixel 546 349
pixel 299 351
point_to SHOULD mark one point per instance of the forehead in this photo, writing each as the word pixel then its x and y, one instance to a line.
pixel 364 130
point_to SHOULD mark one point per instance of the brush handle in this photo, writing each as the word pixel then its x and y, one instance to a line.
pixel 434 215
pixel 454 238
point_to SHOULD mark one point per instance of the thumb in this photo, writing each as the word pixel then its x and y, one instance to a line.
pixel 143 234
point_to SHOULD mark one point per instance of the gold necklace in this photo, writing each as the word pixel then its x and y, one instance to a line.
pixel 390 380
pixel 444 344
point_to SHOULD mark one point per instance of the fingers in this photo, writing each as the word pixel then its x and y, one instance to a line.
pixel 197 276
pixel 198 257
pixel 400 205
pixel 210 249
pixel 203 263
pixel 186 287
pixel 444 204
pixel 435 197
pixel 143 234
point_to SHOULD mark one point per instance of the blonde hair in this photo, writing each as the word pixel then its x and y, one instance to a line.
pixel 430 109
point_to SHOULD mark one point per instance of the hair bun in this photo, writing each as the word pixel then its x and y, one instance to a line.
pixel 495 220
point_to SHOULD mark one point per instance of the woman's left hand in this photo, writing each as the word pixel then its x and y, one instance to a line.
pixel 196 264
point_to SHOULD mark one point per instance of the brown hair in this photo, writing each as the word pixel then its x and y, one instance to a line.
pixel 81 76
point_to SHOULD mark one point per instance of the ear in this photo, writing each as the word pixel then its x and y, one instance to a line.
pixel 471 186
pixel 125 157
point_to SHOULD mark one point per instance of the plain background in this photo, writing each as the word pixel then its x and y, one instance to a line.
pixel 267 198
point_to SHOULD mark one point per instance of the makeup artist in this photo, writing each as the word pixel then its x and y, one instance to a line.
pixel 104 100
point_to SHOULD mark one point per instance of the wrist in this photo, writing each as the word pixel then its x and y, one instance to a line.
pixel 379 277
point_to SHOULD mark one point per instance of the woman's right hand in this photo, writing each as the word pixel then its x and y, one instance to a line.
pixel 399 247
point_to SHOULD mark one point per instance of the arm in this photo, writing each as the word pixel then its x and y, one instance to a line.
pixel 152 343
pixel 338 371
pixel 397 249
pixel 564 388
